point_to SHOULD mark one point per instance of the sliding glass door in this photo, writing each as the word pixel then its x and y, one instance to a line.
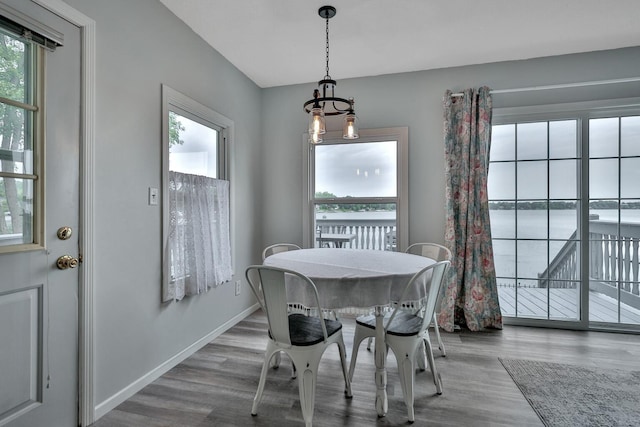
pixel 614 220
pixel 534 208
pixel 565 219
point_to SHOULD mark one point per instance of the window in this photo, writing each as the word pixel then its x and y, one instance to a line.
pixel 196 197
pixel 21 186
pixel 357 191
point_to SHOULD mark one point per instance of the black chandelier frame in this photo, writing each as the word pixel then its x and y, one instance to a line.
pixel 336 105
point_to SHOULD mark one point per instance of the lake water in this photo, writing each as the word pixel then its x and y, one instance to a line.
pixel 533 256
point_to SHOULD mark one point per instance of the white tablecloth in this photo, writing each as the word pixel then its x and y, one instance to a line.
pixel 351 277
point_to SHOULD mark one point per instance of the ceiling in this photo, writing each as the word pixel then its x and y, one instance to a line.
pixel 282 42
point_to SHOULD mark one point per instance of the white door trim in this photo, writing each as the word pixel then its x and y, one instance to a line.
pixel 86 372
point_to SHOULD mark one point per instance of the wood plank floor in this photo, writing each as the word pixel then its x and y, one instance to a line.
pixel 216 386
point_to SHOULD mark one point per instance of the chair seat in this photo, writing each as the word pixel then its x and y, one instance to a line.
pixel 307 330
pixel 403 325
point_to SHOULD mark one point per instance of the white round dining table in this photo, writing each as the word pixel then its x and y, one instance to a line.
pixel 357 278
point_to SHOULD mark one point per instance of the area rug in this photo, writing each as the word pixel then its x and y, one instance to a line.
pixel 570 395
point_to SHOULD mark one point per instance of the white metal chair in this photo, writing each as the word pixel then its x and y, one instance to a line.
pixel 407 332
pixel 277 248
pixel 267 252
pixel 439 253
pixel 303 338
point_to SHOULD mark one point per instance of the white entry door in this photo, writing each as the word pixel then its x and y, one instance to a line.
pixel 39 301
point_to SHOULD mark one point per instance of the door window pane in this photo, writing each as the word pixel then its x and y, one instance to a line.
pixel 532 220
pixel 563 220
pixel 563 179
pixel 14 56
pixel 504 257
pixel 503 220
pixel 603 137
pixel 501 182
pixel 503 142
pixel 532 258
pixel 562 139
pixel 532 141
pixel 603 178
pixel 20 179
pixel 532 180
pixel 630 177
pixel 16 211
pixel 630 136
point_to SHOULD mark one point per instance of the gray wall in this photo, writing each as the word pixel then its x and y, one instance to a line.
pixel 415 100
pixel 141 45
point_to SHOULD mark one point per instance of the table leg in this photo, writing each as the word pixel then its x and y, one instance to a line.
pixel 380 352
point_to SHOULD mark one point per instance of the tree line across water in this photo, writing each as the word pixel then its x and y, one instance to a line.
pixel 558 204
pixel 350 207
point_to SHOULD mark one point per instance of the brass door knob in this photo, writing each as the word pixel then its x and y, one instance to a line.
pixel 66 261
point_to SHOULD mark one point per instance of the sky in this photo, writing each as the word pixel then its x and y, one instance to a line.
pixel 357 169
pixel 609 175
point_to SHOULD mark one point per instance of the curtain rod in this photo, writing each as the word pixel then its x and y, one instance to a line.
pixel 559 86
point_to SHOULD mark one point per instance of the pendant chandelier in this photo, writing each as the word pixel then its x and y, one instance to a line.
pixel 325 103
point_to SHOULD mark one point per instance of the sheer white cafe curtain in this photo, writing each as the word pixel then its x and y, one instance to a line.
pixel 199 236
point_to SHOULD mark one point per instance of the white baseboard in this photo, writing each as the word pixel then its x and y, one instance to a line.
pixel 124 394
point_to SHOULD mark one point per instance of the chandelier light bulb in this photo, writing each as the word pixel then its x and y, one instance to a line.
pixel 316 121
pixel 350 128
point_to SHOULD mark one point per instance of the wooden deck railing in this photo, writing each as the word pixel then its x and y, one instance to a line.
pixel 375 234
pixel 613 261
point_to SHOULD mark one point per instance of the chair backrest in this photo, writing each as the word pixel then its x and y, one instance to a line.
pixel 277 248
pixel 269 286
pixel 427 287
pixel 430 250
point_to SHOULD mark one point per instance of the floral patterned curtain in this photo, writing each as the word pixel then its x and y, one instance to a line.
pixel 471 295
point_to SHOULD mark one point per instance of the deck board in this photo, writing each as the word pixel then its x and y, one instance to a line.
pixel 564 303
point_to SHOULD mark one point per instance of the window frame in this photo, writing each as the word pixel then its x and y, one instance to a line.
pixel 34 105
pixel 399 134
pixel 174 101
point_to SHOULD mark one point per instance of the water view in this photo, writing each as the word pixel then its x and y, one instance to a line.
pixel 532 228
pixel 534 255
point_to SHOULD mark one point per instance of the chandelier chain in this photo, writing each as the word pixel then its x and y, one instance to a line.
pixel 327 48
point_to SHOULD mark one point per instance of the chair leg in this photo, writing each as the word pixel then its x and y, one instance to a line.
pixel 437 379
pixel 275 360
pixel 369 343
pixel 263 377
pixel 422 357
pixel 357 339
pixel 405 360
pixel 307 390
pixel 440 343
pixel 345 373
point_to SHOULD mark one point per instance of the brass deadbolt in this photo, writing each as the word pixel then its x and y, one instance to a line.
pixel 64 233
